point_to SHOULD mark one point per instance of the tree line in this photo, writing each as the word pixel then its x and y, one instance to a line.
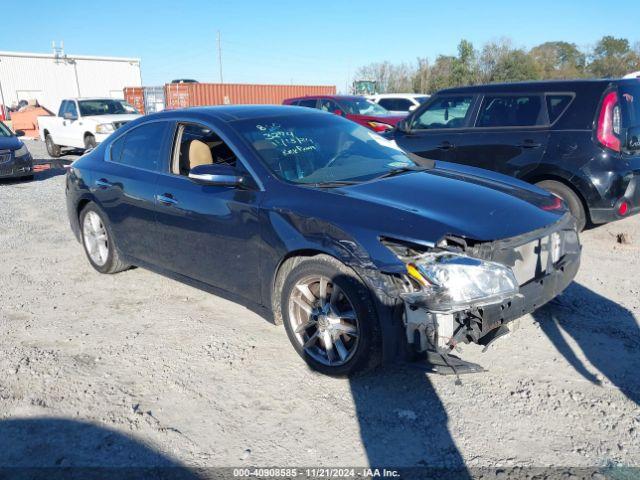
pixel 501 61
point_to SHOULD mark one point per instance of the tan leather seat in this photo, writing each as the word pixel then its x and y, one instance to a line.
pixel 199 154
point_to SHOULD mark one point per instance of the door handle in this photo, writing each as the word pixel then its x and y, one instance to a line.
pixel 529 144
pixel 103 183
pixel 166 199
pixel 446 145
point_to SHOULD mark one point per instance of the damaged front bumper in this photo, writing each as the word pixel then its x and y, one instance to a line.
pixel 544 263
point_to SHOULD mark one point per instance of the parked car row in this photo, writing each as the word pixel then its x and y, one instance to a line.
pixel 578 139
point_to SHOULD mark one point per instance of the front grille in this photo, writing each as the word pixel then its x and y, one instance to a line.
pixel 533 255
pixel 5 156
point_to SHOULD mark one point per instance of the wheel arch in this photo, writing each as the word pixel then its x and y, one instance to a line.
pixel 536 178
pixel 284 266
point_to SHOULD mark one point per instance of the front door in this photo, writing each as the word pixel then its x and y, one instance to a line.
pixel 435 129
pixel 209 233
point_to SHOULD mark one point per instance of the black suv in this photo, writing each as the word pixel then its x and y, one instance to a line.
pixel 578 139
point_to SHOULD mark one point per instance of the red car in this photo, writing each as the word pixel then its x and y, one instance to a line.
pixel 355 108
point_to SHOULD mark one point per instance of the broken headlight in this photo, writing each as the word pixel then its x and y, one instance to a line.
pixel 453 281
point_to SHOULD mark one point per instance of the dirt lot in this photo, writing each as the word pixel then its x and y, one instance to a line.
pixel 138 369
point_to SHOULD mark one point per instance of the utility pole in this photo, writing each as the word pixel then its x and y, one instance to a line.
pixel 220 57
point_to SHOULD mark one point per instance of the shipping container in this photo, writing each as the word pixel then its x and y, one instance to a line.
pixel 181 95
pixel 49 78
pixel 145 99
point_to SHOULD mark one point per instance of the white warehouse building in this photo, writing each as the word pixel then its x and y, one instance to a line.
pixel 49 78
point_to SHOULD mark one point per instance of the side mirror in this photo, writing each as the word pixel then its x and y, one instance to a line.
pixel 19 133
pixel 216 175
pixel 69 116
pixel 633 138
pixel 339 112
pixel 403 126
pixel 412 108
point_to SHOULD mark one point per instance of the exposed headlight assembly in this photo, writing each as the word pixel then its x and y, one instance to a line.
pixel 21 152
pixel 452 281
pixel 105 128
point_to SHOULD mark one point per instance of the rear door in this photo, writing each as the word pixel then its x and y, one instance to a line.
pixel 125 188
pixel 510 134
pixel 435 129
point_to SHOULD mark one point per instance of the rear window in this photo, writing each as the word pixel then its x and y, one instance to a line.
pixel 630 103
pixel 557 104
pixel 140 147
pixel 511 111
pixel 310 103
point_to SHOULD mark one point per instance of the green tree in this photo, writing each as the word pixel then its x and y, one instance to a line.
pixel 559 60
pixel 613 57
pixel 464 70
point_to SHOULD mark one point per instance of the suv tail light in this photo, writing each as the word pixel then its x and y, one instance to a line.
pixel 609 122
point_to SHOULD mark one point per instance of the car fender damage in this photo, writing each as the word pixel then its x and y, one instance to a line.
pixel 542 263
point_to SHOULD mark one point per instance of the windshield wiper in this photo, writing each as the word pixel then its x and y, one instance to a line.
pixel 331 184
pixel 398 171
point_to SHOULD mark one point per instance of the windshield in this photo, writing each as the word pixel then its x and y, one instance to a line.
pixel 363 107
pixel 316 149
pixel 104 107
pixel 422 100
pixel 4 131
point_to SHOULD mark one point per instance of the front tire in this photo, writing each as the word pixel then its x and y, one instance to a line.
pixel 98 241
pixel 570 198
pixel 53 150
pixel 330 318
pixel 90 142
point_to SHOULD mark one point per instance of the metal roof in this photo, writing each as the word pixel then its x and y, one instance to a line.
pixel 67 56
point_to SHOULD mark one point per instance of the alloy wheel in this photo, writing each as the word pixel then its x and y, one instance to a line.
pixel 324 320
pixel 95 238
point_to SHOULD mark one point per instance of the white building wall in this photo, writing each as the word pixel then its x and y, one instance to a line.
pixel 25 76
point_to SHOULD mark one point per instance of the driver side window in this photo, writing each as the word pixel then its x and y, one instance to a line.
pixel 197 145
pixel 330 106
pixel 445 112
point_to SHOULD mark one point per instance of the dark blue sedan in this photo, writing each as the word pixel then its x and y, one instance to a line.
pixel 15 159
pixel 364 252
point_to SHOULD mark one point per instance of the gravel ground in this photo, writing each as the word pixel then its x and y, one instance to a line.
pixel 138 369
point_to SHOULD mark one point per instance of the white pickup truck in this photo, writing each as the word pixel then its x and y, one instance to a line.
pixel 83 123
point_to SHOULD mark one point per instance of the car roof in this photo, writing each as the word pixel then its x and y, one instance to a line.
pixel 546 85
pixel 334 97
pixel 231 113
pixel 399 95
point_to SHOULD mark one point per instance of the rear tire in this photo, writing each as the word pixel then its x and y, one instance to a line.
pixel 53 150
pixel 570 198
pixel 98 241
pixel 344 337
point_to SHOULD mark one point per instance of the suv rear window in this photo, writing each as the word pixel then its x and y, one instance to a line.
pixel 630 100
pixel 511 111
pixel 556 104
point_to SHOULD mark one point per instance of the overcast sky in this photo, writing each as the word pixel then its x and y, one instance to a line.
pixel 306 42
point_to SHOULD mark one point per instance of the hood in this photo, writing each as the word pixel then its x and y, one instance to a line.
pixel 390 119
pixel 124 117
pixel 10 143
pixel 424 206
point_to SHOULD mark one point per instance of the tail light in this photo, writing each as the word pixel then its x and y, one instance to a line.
pixel 609 122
